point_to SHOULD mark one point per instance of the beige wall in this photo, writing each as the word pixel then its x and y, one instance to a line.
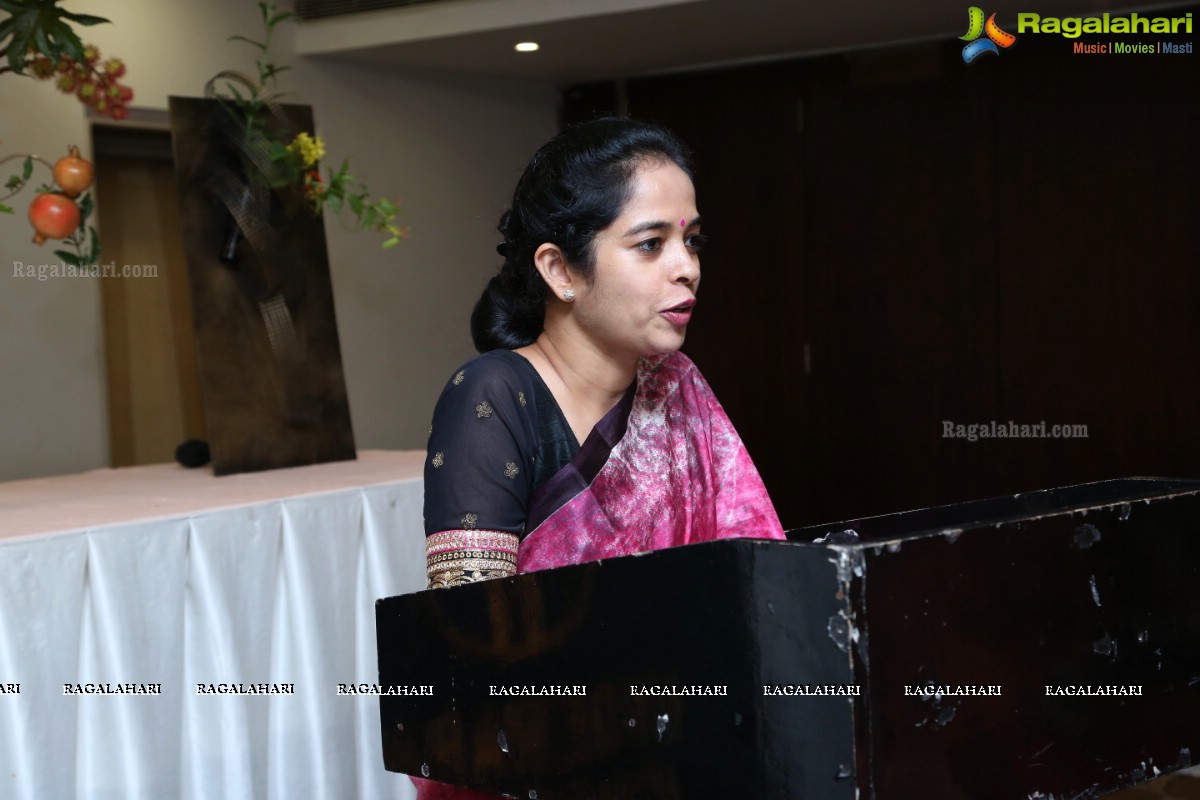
pixel 449 147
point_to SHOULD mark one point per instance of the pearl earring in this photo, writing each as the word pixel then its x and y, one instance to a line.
pixel 569 295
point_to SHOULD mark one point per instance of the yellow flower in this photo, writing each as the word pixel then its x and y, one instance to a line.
pixel 309 149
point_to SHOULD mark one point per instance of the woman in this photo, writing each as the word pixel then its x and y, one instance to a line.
pixel 582 432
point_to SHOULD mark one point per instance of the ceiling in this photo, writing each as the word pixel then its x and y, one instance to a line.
pixel 583 40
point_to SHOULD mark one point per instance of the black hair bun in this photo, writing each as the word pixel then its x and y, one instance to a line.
pixel 501 321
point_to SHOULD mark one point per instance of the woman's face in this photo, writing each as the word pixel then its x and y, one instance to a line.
pixel 647 268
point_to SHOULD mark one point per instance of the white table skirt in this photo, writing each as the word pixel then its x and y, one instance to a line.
pixel 187 579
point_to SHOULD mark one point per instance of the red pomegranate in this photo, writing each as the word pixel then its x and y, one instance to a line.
pixel 53 216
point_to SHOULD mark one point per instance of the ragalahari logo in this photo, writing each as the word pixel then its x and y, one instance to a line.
pixel 996 38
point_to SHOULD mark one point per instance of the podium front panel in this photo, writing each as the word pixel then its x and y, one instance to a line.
pixel 1046 644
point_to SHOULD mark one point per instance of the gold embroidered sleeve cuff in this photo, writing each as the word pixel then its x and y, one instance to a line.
pixel 454 558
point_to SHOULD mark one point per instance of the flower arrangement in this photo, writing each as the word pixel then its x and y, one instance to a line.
pixel 36 39
pixel 41 42
pixel 296 161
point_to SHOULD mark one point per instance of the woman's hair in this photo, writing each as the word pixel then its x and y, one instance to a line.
pixel 574 187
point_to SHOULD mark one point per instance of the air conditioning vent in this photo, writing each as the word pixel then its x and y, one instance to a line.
pixel 315 9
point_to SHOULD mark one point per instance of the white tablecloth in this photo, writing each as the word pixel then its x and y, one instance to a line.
pixel 161 575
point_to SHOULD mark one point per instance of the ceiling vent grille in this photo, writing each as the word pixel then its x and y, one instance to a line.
pixel 316 9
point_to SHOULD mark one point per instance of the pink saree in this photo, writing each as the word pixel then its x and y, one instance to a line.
pixel 663 468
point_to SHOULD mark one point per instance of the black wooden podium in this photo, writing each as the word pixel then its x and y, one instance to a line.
pixel 1045 645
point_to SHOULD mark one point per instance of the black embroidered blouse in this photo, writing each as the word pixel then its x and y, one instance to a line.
pixel 497 435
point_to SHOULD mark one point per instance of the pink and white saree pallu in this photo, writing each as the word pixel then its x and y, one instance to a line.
pixel 663 468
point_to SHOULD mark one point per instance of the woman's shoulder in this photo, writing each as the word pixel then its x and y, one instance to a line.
pixel 673 364
pixel 674 375
pixel 498 379
pixel 495 368
pixel 679 360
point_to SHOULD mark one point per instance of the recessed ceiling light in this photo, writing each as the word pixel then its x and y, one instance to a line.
pixel 526 47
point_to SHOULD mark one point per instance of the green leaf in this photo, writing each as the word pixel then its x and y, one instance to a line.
pixel 84 19
pixel 68 257
pixel 14 183
pixel 11 7
pixel 259 45
pixel 22 34
pixel 356 204
pixel 85 207
pixel 387 206
pixel 392 242
pixel 65 39
pixel 334 202
pixel 280 17
pixel 27 168
pixel 94 255
pixel 43 42
pixel 6 209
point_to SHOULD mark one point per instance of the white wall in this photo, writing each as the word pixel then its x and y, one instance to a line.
pixel 451 148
